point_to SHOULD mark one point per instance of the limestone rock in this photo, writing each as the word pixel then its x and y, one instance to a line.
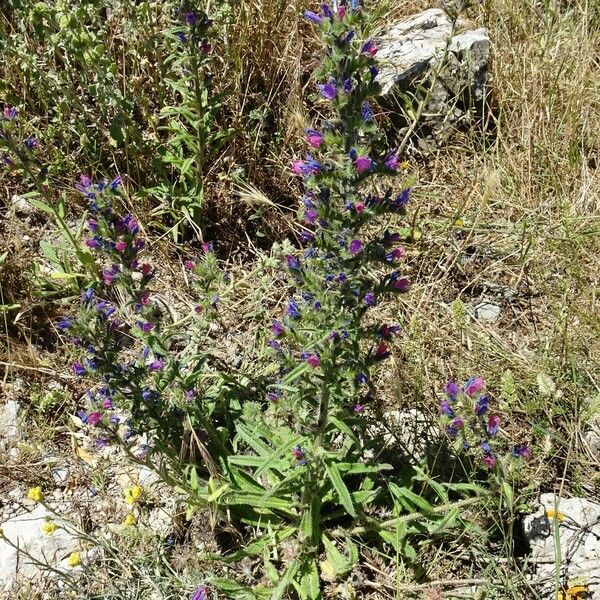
pixel 26 531
pixel 578 522
pixel 411 49
pixel 9 418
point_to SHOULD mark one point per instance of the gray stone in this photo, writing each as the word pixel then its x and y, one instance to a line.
pixel 9 420
pixel 25 531
pixel 412 49
pixel 575 524
pixel 487 311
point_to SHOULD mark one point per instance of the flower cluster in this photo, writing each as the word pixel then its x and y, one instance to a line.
pixel 346 267
pixel 468 420
pixel 139 385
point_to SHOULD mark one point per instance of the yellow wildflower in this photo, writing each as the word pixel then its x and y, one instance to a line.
pixel 133 494
pixel 555 514
pixel 130 520
pixel 35 494
pixel 74 559
pixel 49 527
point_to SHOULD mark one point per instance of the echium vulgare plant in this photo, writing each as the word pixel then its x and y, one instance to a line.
pixel 469 421
pixel 193 137
pixel 310 449
pixel 147 374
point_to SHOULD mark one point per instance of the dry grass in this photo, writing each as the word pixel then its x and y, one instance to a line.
pixel 527 194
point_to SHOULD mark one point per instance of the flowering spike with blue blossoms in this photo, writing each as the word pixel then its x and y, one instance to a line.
pixel 328 332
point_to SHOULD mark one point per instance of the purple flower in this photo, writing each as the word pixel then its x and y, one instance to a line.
pixel 292 310
pixel 115 183
pixel 278 328
pixel 369 47
pixel 458 423
pixel 10 112
pixel 342 278
pixel 191 18
pixel 94 418
pixel 214 301
pixel 275 345
pixel 363 164
pixel 489 460
pixel 369 299
pixel 482 405
pixel 65 323
pixel 374 71
pixel 313 360
pixel 310 215
pixel 348 37
pixel 328 91
pixel 387 331
pixel 327 11
pixel 156 365
pixel 78 369
pixel 315 138
pixel 390 238
pixel 292 262
pixel 446 409
pixel 146 327
pixel 30 143
pixel 348 85
pixel 359 408
pixel 523 451
pixel 382 352
pixel 298 452
pixel 200 593
pixel 355 247
pixel 391 161
pixel 474 385
pixel 314 17
pixel 452 389
pixel 366 112
pixel 93 244
pixel 493 425
pixel 362 378
pixel 402 284
pixel 402 199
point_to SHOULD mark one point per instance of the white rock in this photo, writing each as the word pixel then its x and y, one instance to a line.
pixel 26 532
pixel 579 537
pixel 409 49
pixel 487 311
pixel 9 415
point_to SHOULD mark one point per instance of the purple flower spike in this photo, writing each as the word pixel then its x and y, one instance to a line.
pixel 312 16
pixel 474 385
pixel 355 247
pixel 359 408
pixel 30 143
pixel 200 593
pixel 348 37
pixel 328 91
pixel 366 112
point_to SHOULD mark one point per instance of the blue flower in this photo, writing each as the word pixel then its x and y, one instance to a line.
pixel 312 16
pixel 292 310
pixel 366 112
